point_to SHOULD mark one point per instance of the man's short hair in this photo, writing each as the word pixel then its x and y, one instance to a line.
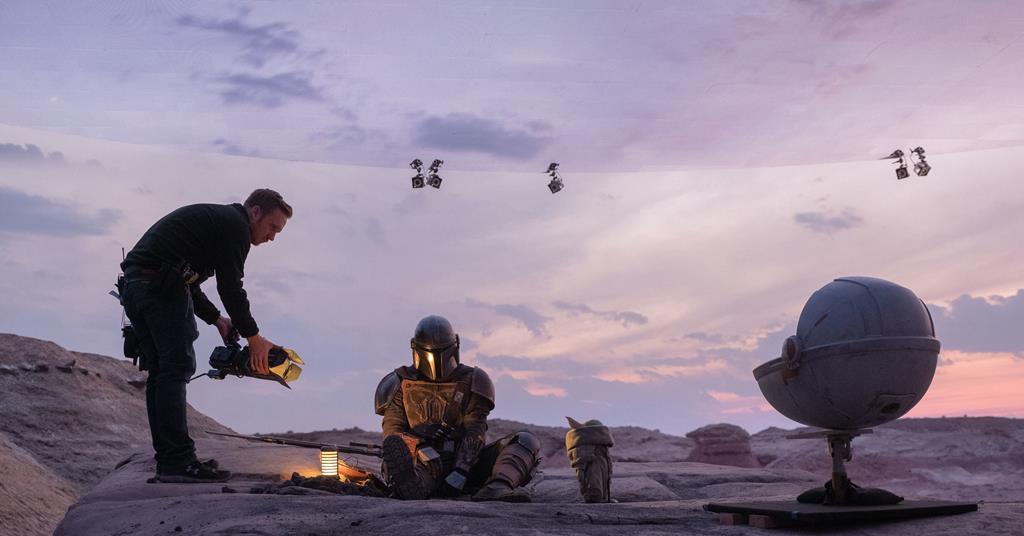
pixel 268 200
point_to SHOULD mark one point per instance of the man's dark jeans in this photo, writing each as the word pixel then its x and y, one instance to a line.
pixel 166 329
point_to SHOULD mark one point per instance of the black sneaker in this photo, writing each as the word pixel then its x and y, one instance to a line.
pixel 401 470
pixel 194 473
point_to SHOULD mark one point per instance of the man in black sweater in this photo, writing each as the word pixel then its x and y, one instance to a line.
pixel 162 296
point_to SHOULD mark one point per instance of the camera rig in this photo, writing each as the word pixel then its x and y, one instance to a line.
pixel 233 360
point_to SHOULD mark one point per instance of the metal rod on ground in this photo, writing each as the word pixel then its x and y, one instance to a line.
pixel 365 449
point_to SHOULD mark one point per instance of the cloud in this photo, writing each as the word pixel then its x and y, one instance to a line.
pixel 745 352
pixel 625 317
pixel 645 373
pixel 557 366
pixel 467 132
pixel 533 321
pixel 537 377
pixel 374 230
pixel 713 338
pixel 275 284
pixel 508 362
pixel 259 43
pixel 28 153
pixel 827 222
pixel 24 213
pixel 356 139
pixel 539 126
pixel 230 148
pixel 974 324
pixel 269 91
pixel 723 396
pixel 845 19
pixel 543 389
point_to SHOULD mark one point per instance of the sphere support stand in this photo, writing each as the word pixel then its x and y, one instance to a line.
pixel 840 491
pixel 841 452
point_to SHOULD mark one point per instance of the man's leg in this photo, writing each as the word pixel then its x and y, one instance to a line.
pixel 513 468
pixel 172 329
pixel 408 478
pixel 134 302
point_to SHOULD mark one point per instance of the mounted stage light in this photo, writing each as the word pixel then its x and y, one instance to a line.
pixel 434 179
pixel 328 462
pixel 556 184
pixel 901 171
pixel 921 167
pixel 416 164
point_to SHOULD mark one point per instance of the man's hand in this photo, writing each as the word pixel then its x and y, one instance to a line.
pixel 226 330
pixel 259 347
pixel 444 432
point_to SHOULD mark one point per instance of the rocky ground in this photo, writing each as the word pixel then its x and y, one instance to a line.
pixel 74 434
pixel 655 498
pixel 68 419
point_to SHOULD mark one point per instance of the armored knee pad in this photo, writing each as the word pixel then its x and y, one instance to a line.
pixel 517 460
pixel 587 445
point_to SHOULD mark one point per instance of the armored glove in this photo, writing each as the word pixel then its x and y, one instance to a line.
pixel 587 445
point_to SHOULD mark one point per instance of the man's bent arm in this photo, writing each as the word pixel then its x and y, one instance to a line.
pixel 395 421
pixel 474 433
pixel 229 286
pixel 204 308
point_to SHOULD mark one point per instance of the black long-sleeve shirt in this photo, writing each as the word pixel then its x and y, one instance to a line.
pixel 212 239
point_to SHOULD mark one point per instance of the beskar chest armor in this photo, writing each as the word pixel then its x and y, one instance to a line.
pixel 428 405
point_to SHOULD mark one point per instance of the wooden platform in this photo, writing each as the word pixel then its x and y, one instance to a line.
pixel 770 514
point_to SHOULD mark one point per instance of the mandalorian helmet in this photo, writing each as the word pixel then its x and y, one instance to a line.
pixel 435 348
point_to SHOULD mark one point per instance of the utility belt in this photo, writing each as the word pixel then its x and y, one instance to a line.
pixel 165 280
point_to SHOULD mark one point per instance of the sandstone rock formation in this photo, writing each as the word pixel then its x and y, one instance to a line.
pixel 74 414
pixel 956 458
pixel 33 498
pixel 722 444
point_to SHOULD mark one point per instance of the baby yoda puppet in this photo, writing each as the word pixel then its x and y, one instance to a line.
pixel 587 445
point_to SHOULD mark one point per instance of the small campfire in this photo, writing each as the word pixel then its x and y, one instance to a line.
pixel 302 485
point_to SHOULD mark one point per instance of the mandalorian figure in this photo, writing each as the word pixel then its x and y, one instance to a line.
pixel 435 424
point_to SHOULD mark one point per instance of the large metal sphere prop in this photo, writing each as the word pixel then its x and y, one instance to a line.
pixel 864 354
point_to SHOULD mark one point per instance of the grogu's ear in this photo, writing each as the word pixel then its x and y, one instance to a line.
pixel 573 423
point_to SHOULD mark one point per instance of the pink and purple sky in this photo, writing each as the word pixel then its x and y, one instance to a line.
pixel 721 163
